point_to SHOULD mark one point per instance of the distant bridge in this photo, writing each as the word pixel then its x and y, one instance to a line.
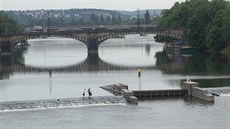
pixel 92 37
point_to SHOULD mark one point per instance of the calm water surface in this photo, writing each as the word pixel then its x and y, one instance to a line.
pixel 60 68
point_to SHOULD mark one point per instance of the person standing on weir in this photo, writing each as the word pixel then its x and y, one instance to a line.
pixel 83 92
pixel 139 72
pixel 90 93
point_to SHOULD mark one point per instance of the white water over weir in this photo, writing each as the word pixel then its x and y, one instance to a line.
pixel 220 91
pixel 61 103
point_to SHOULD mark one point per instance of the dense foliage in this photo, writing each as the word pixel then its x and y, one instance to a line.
pixel 206 23
pixel 7 24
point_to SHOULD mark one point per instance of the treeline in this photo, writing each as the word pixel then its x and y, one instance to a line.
pixel 119 20
pixel 85 17
pixel 7 24
pixel 30 18
pixel 92 19
pixel 206 23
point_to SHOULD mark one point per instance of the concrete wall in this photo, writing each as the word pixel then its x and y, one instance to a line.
pixel 202 94
pixel 195 91
pixel 188 85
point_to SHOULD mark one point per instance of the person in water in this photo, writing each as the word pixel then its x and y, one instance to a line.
pixel 89 92
pixel 83 92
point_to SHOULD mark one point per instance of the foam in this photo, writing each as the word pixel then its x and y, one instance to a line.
pixel 61 103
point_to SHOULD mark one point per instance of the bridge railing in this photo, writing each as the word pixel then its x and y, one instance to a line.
pixel 85 33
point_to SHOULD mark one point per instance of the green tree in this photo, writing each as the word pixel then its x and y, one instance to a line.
pixel 214 38
pixel 119 20
pixel 114 20
pixel 8 24
pixel 206 23
pixel 197 27
pixel 102 20
pixel 226 25
pixel 108 20
pixel 94 19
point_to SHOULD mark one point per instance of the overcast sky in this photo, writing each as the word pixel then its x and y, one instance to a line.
pixel 129 5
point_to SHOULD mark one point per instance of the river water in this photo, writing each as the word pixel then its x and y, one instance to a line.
pixel 55 68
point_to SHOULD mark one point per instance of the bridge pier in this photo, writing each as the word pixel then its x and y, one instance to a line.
pixel 5 48
pixel 92 45
pixel 92 58
pixel 6 61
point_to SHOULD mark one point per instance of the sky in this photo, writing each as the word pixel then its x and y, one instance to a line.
pixel 128 5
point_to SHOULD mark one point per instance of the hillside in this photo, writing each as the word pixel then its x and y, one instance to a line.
pixel 30 18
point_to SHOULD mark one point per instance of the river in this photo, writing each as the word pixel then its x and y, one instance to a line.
pixel 55 68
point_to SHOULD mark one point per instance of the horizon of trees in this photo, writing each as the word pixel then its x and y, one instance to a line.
pixel 14 21
pixel 32 18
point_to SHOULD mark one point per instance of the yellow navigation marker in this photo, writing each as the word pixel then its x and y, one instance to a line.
pixel 139 72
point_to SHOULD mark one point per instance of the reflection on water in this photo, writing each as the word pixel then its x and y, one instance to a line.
pixel 129 52
pixel 54 53
pixel 61 68
pixel 196 64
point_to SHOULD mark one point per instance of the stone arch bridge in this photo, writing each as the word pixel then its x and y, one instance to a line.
pixel 91 37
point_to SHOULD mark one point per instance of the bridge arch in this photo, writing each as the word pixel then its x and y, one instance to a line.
pixel 123 34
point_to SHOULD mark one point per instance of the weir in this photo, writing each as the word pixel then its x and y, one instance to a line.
pixel 60 103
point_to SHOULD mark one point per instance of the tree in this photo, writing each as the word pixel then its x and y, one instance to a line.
pixel 94 19
pixel 108 20
pixel 102 20
pixel 114 20
pixel 226 25
pixel 8 24
pixel 147 17
pixel 214 37
pixel 119 20
pixel 81 21
pixel 197 27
